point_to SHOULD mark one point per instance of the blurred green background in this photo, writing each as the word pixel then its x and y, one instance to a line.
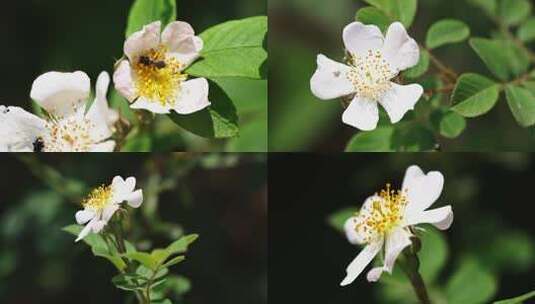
pixel 222 197
pixel 64 35
pixel 487 254
pixel 301 29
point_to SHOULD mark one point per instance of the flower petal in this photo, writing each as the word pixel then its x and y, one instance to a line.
pixel 107 146
pixel 124 81
pixel 109 211
pixel 359 38
pixel 440 217
pixel 60 94
pixel 396 241
pixel 400 99
pixel 351 233
pixel 98 226
pixel 84 216
pixel 19 129
pixel 193 96
pixel 123 187
pixel 362 114
pixel 374 274
pixel 361 261
pixel 143 41
pixel 400 50
pixel 87 229
pixel 100 115
pixel 182 43
pixel 330 81
pixel 150 105
pixel 134 199
pixel 422 189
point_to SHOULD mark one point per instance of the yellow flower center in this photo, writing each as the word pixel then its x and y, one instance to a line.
pixel 66 134
pixel 370 75
pixel 381 215
pixel 98 199
pixel 158 76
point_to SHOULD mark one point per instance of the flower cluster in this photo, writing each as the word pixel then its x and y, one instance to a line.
pixel 151 78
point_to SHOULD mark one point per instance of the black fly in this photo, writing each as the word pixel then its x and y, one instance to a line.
pixel 146 61
pixel 38 145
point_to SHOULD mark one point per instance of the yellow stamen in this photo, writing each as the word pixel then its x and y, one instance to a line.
pixel 98 198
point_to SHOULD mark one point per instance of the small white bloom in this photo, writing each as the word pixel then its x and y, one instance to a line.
pixel 103 201
pixel 153 77
pixel 373 62
pixel 386 218
pixel 69 127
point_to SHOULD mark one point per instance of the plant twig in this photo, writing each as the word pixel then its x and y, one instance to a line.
pixel 410 267
pixel 448 72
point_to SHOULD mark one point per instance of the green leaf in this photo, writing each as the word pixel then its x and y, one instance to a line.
pixel 518 300
pixel 137 141
pixel 144 12
pixel 249 96
pixel 338 219
pixel 489 6
pixel 514 12
pixel 253 136
pixel 474 95
pixel 378 140
pixel 449 123
pixel 372 15
pixel 174 261
pixel 413 137
pixel 93 240
pixel 181 245
pixel 128 281
pixel 420 68
pixel 522 104
pixel 217 121
pixel 122 106
pixel 233 49
pixel 502 57
pixel 433 254
pixel 144 258
pixel 526 31
pixel 446 32
pixel 482 284
pixel 404 11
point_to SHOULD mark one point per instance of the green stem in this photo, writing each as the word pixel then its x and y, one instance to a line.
pixel 410 267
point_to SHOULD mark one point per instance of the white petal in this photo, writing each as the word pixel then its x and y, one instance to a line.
pixel 330 81
pixel 98 226
pixel 375 274
pixel 134 199
pixel 87 229
pixel 193 96
pixel 152 106
pixel 440 217
pixel 60 94
pixel 100 115
pixel 123 187
pixel 143 41
pixel 359 38
pixel 400 99
pixel 422 190
pixel 361 261
pixel 84 216
pixel 107 146
pixel 124 81
pixel 397 240
pixel 182 43
pixel 400 50
pixel 362 114
pixel 109 211
pixel 351 233
pixel 19 129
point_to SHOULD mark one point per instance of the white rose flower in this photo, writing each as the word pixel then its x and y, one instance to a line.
pixel 69 128
pixel 103 201
pixel 373 62
pixel 385 220
pixel 153 76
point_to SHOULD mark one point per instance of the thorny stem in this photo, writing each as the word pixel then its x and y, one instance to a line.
pixel 410 267
pixel 449 73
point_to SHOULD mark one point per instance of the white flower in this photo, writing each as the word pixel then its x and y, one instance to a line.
pixel 373 62
pixel 69 128
pixel 153 75
pixel 385 220
pixel 103 201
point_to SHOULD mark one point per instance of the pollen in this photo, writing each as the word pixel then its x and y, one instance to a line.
pixel 370 75
pixel 98 198
pixel 68 134
pixel 158 77
pixel 381 215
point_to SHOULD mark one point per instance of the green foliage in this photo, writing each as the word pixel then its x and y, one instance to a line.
pixel 404 11
pixel 474 95
pixel 522 104
pixel 482 284
pixel 503 58
pixel 448 123
pixel 408 137
pixel 446 32
pixel 526 31
pixel 378 140
pixel 144 12
pixel 337 219
pixel 489 6
pixel 514 12
pixel 373 15
pixel 419 69
pixel 518 300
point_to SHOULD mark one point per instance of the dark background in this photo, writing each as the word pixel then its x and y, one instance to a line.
pixel 491 194
pixel 221 197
